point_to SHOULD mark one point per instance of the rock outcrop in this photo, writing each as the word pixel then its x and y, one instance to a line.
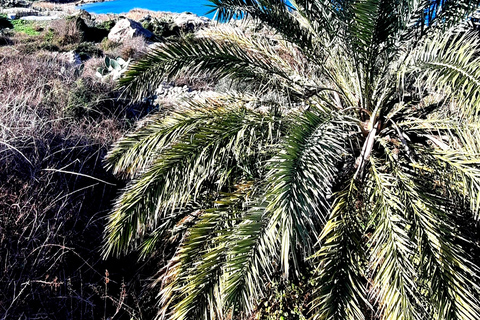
pixel 189 22
pixel 127 29
pixel 13 3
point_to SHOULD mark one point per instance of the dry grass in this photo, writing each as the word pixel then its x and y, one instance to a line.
pixel 132 48
pixel 66 32
pixel 54 194
pixel 55 127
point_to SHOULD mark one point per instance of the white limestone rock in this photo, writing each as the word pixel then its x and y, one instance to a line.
pixel 127 29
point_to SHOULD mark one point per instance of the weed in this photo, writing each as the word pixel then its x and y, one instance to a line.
pixel 27 27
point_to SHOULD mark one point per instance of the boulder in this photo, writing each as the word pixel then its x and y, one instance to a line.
pixel 189 22
pixel 14 3
pixel 127 29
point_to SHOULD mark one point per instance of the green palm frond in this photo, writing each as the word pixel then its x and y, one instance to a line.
pixel 355 143
pixel 452 288
pixel 320 17
pixel 341 284
pixel 232 137
pixel 449 64
pixel 274 13
pixel 301 181
pixel 138 149
pixel 394 286
pixel 448 13
pixel 250 61
pixel 250 262
pixel 202 256
pixel 201 260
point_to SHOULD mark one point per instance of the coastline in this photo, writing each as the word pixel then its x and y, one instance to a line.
pixel 42 11
pixel 62 10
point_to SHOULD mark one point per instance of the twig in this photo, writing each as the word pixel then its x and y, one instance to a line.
pixel 82 175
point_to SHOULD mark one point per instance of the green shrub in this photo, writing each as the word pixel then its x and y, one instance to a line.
pixel 162 28
pixel 27 27
pixel 287 300
pixel 88 50
pixel 107 45
pixel 80 99
pixel 106 25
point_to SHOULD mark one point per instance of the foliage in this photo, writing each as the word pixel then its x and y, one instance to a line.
pixel 26 27
pixel 112 67
pixel 162 28
pixel 106 25
pixel 286 300
pixel 88 50
pixel 351 150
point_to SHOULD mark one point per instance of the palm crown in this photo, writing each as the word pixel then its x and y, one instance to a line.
pixel 353 149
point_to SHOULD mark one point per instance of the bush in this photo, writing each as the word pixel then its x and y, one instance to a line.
pixel 66 32
pixel 162 28
pixel 106 25
pixel 27 27
pixel 87 50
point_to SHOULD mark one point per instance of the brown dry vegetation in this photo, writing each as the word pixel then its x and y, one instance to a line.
pixel 56 125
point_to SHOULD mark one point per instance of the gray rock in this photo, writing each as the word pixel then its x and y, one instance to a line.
pixel 13 3
pixel 17 13
pixel 191 22
pixel 40 18
pixel 127 29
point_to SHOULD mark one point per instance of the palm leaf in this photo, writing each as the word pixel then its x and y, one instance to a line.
pixel 341 289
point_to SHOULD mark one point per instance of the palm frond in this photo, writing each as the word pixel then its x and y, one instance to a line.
pixel 449 64
pixel 301 180
pixel 276 14
pixel 235 137
pixel 218 59
pixel 394 286
pixel 452 288
pixel 448 13
pixel 250 261
pixel 201 259
pixel 138 149
pixel 341 289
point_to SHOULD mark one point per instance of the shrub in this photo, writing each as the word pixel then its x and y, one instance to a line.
pixel 133 48
pixel 106 25
pixel 88 50
pixel 66 32
pixel 26 27
pixel 107 45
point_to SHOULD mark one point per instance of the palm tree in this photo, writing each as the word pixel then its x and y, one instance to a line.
pixel 348 143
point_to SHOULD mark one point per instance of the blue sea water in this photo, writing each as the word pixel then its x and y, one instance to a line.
pixel 199 7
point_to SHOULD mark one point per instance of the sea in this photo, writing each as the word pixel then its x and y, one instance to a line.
pixel 199 7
